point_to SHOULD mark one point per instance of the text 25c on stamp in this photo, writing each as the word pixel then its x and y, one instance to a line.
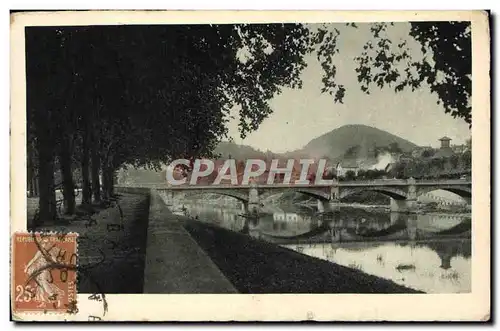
pixel 44 272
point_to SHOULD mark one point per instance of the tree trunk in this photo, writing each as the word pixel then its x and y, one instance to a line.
pixel 96 186
pixel 31 165
pixel 30 175
pixel 68 186
pixel 104 183
pixel 35 185
pixel 86 186
pixel 47 202
pixel 31 187
pixel 112 182
pixel 106 186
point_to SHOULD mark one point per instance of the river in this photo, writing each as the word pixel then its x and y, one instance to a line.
pixel 430 252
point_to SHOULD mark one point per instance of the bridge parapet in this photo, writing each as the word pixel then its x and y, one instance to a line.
pixel 397 189
pixel 356 183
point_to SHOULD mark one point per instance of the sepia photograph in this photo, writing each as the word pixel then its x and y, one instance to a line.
pixel 184 155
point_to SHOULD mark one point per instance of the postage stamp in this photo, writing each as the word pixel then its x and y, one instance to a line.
pixel 44 272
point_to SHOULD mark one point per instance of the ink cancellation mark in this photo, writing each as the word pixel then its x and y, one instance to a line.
pixel 44 272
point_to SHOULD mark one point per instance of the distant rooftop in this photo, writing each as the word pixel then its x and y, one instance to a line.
pixel 348 163
pixel 445 138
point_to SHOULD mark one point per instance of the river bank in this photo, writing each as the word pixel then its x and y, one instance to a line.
pixel 254 266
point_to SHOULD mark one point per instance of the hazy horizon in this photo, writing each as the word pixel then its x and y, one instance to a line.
pixel 432 144
pixel 300 115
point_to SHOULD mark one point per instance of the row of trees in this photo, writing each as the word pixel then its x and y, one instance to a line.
pixel 362 174
pixel 453 166
pixel 445 167
pixel 102 97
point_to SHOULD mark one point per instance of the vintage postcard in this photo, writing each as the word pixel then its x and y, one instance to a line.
pixel 250 166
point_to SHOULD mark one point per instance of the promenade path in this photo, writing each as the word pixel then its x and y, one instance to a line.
pixel 174 262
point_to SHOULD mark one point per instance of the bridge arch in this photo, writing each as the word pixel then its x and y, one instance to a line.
pixel 263 195
pixel 315 193
pixel 391 192
pixel 240 196
pixel 462 191
pixel 318 194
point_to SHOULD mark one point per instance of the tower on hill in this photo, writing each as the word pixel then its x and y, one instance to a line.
pixel 445 142
pixel 445 150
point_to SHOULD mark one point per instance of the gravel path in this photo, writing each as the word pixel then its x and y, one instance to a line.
pixel 111 246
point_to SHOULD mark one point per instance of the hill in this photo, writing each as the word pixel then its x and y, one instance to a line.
pixel 240 152
pixel 346 142
pixel 361 139
pixel 349 141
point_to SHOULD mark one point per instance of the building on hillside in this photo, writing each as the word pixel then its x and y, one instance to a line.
pixel 445 142
pixel 464 148
pixel 445 150
pixel 459 149
pixel 347 165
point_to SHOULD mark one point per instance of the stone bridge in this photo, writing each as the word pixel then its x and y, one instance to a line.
pixel 403 193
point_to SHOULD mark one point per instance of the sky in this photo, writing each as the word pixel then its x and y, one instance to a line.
pixel 299 115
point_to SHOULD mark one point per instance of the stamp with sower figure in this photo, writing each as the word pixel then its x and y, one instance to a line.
pixel 44 276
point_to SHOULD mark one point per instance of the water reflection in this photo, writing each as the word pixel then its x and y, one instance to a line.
pixel 427 252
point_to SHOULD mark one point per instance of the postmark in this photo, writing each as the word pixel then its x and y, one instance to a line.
pixel 44 272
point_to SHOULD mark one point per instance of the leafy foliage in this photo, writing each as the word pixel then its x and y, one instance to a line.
pixel 445 68
pixel 169 88
pixel 350 175
pixel 143 95
pixel 371 174
pixel 453 167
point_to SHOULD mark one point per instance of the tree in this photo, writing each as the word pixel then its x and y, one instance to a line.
pixel 352 152
pixel 143 95
pixel 31 163
pixel 466 160
pixel 428 153
pixel 350 175
pixel 42 125
pixel 399 170
pixel 445 68
pixel 454 160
